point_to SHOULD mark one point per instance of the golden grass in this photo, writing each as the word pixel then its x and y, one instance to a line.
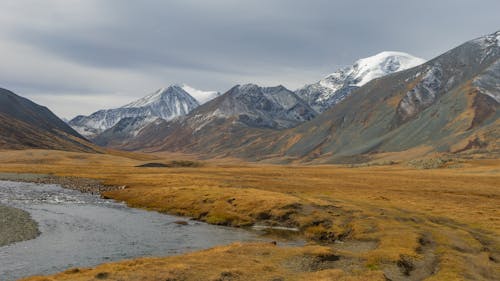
pixel 450 214
pixel 254 262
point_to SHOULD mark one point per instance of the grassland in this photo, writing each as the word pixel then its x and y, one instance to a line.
pixel 363 223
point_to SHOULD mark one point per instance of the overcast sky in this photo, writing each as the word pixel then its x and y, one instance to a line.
pixel 79 56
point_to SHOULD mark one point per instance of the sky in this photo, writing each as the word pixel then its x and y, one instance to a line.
pixel 78 56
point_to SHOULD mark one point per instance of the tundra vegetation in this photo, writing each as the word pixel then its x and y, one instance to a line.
pixel 373 222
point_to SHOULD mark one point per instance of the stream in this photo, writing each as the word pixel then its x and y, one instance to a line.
pixel 83 230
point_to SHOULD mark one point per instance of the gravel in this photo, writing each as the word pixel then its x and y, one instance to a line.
pixel 16 225
pixel 84 185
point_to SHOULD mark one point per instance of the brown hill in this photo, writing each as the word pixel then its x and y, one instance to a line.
pixel 25 124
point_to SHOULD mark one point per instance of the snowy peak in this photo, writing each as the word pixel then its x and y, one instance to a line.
pixel 163 94
pixel 201 96
pixel 381 64
pixel 338 85
pixel 147 100
pixel 165 103
pixel 176 89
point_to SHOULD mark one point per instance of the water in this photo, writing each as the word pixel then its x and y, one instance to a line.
pixel 82 230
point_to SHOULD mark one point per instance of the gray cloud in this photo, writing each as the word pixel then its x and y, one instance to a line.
pixel 120 50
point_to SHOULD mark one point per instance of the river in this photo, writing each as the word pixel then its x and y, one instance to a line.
pixel 82 230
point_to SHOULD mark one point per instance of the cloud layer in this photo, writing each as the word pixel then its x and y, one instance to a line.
pixel 78 56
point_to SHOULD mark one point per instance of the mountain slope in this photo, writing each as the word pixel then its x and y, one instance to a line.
pixel 166 103
pixel 127 128
pixel 25 124
pixel 338 85
pixel 243 108
pixel 449 104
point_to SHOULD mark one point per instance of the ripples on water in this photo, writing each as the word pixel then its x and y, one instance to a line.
pixel 81 230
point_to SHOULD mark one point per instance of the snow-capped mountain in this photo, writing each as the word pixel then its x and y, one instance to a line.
pixel 201 96
pixel 450 104
pixel 165 103
pixel 242 108
pixel 338 85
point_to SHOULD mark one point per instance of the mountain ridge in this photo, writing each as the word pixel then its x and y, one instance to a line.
pixel 166 103
pixel 242 107
pixel 446 105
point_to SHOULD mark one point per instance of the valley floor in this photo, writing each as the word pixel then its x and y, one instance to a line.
pixel 388 222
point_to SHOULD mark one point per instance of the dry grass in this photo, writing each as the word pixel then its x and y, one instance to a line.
pixel 236 262
pixel 441 221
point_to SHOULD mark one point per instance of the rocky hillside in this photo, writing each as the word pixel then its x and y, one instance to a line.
pixel 126 129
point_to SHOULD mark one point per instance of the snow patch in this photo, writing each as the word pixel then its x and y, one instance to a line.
pixel 201 96
pixel 382 64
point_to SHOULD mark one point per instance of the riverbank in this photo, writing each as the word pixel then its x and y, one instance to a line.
pixel 16 225
pixel 92 186
pixel 369 223
pixel 79 229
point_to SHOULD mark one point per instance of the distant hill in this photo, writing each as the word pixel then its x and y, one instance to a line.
pixel 25 124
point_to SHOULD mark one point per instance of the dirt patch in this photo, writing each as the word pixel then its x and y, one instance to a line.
pixel 355 246
pixel 475 143
pixel 311 263
pixel 409 268
pixel 484 107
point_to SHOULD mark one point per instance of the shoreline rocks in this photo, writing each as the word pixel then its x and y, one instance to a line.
pixel 16 225
pixel 92 186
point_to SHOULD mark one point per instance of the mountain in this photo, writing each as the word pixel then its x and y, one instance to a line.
pixel 25 124
pixel 241 109
pixel 337 86
pixel 166 103
pixel 260 107
pixel 449 104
